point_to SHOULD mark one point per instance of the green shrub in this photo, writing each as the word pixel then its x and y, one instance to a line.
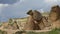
pixel 55 31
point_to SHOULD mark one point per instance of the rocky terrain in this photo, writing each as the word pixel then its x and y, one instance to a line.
pixel 49 23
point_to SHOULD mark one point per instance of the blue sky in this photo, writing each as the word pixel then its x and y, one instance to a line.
pixel 18 8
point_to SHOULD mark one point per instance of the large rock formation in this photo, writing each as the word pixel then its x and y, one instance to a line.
pixel 54 16
pixel 36 21
pixel 55 13
pixel 10 25
pixel 30 24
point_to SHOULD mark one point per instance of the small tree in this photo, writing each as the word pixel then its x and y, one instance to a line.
pixel 10 21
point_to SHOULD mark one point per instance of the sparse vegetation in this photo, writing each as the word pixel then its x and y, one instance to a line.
pixel 20 32
pixel 54 31
pixel 3 32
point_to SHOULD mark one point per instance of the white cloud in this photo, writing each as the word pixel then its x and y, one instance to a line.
pixel 2 6
pixel 42 11
pixel 18 3
pixel 21 0
pixel 51 0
